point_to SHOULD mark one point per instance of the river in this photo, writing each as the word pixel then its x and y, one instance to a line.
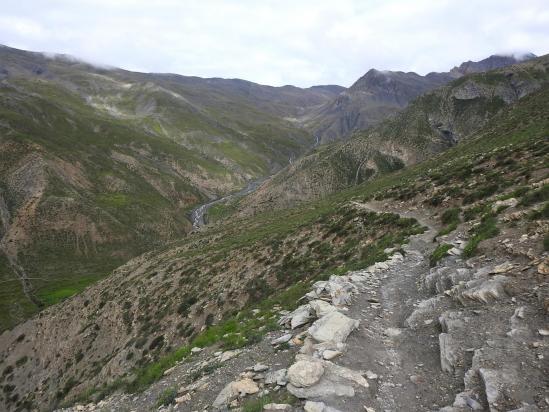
pixel 197 215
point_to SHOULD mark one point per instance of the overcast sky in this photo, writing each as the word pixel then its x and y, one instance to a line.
pixel 280 41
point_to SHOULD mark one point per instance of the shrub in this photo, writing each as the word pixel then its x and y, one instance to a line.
pixel 536 196
pixel 167 397
pixel 485 230
pixel 439 253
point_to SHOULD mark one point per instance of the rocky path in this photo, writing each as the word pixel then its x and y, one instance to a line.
pixel 404 364
pixel 396 336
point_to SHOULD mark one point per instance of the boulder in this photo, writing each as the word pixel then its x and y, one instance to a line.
pixel 305 373
pixel 483 291
pixel 297 318
pixel 450 353
pixel 232 390
pixel 333 327
pixel 321 307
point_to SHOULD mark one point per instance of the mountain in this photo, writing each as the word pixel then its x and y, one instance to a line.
pixel 430 124
pixel 380 94
pixel 101 164
pixel 165 315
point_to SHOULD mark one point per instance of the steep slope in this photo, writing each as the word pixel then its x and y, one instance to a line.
pixel 100 164
pixel 430 124
pixel 201 291
pixel 379 94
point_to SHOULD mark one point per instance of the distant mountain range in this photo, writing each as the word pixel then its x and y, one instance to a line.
pixel 379 94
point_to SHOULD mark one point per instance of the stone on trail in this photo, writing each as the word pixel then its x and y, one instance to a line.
pixel 233 389
pixel 279 377
pixel 259 367
pixel 450 353
pixel 272 407
pixel 225 356
pixel 483 291
pixel 298 317
pixel 305 373
pixel 325 388
pixel 283 339
pixel 311 406
pixel 330 354
pixel 496 385
pixel 321 307
pixel 333 327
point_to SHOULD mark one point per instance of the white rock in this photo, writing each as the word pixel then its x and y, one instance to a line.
pixel 305 373
pixel 277 407
pixel 371 375
pixel 321 307
pixel 300 316
pixel 233 389
pixel 511 202
pixel 196 349
pixel 330 354
pixel 503 268
pixel 183 399
pixel 392 332
pixel 318 407
pixel 225 356
pixel 259 367
pixel 283 339
pixel 334 327
pixel 279 377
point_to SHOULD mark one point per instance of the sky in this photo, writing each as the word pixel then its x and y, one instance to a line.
pixel 277 42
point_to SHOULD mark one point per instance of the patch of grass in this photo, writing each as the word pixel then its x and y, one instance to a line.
pixel 538 214
pixel 536 196
pixel 256 405
pixel 546 243
pixel 50 295
pixel 167 397
pixel 440 252
pixel 485 230
pixel 450 218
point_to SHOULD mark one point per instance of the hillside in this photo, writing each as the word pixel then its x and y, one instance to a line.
pixel 380 94
pixel 226 287
pixel 430 124
pixel 100 164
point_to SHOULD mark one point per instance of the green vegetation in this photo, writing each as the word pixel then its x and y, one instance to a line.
pixel 439 253
pixel 485 230
pixel 536 196
pixel 450 219
pixel 167 397
pixel 256 405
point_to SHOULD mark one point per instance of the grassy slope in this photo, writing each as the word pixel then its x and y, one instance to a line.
pixel 178 141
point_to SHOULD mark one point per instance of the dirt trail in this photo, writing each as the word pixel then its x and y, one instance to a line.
pixel 406 362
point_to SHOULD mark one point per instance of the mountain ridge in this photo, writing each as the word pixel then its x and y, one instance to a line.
pixel 379 94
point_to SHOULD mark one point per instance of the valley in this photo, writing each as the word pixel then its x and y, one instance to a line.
pixel 179 244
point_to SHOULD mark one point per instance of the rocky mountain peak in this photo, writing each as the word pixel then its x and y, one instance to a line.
pixel 495 61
